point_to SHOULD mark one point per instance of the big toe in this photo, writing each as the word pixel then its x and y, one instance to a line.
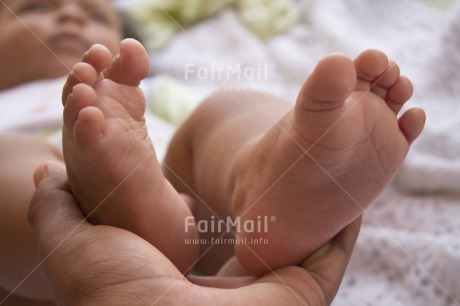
pixel 131 66
pixel 328 86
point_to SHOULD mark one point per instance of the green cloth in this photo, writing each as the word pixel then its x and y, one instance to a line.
pixel 162 19
pixel 173 101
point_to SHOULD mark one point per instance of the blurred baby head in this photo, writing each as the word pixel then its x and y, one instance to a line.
pixel 45 38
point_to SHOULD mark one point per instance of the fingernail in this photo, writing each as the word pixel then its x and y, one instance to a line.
pixel 84 55
pixel 40 173
pixel 116 58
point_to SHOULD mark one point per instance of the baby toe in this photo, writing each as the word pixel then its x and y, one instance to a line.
pixel 131 66
pixel 369 65
pixel 399 93
pixel 82 96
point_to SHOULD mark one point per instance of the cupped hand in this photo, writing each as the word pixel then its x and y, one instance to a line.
pixel 104 265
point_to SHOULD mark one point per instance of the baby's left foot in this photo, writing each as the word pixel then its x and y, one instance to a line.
pixel 326 160
pixel 112 168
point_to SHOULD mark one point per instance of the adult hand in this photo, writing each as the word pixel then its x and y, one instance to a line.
pixel 103 265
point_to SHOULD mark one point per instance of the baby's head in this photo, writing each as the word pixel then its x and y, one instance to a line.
pixel 44 38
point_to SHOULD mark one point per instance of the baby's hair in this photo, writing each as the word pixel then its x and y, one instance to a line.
pixel 130 28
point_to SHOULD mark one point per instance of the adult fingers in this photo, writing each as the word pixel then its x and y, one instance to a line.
pixel 328 264
pixel 314 283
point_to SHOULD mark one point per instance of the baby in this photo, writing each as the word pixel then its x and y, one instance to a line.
pixel 311 169
pixel 314 167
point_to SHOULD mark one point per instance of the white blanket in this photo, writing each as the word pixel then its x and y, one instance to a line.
pixel 408 252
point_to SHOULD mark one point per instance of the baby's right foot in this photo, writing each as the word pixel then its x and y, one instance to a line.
pixel 326 161
pixel 112 168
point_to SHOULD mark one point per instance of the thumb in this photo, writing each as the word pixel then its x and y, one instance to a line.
pixel 54 172
pixel 54 214
pixel 328 264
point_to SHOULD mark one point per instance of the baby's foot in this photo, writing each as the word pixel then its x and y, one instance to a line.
pixel 326 160
pixel 112 168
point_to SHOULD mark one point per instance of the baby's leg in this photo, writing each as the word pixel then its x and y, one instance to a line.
pixel 112 168
pixel 315 167
pixel 19 156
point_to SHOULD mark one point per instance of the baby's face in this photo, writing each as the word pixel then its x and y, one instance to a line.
pixel 45 38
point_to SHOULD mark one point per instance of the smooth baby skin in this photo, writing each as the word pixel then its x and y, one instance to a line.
pixel 321 165
pixel 110 160
pixel 314 167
